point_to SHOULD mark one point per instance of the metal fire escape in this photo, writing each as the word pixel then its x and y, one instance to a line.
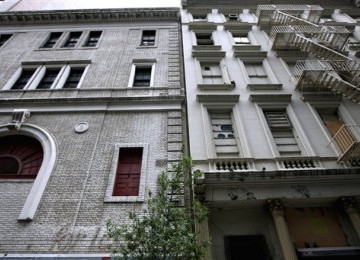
pixel 296 28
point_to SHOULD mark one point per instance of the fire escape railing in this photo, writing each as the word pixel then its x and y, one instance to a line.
pixel 347 142
pixel 340 76
pixel 272 14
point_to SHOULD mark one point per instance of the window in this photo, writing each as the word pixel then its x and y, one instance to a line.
pixel 23 79
pixel 142 77
pixel 204 39
pixel 20 157
pixel 53 38
pixel 282 133
pixel 48 79
pixel 128 172
pixel 256 73
pixel 223 134
pixel 51 76
pixel 35 157
pixel 4 38
pixel 334 124
pixel 148 38
pixel 211 73
pixel 72 40
pixel 93 39
pixel 199 17
pixel 74 78
pixel 240 39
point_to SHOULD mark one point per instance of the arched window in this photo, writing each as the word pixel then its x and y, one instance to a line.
pixel 20 156
pixel 30 154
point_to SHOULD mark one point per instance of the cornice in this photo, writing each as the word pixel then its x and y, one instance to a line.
pixel 89 16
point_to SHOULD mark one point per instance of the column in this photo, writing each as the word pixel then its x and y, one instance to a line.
pixel 350 205
pixel 201 220
pixel 276 209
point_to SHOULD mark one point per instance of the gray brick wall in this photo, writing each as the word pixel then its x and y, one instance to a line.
pixel 72 213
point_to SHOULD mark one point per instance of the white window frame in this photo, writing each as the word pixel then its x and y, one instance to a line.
pixel 298 131
pixel 237 125
pixel 39 73
pixel 38 188
pixel 142 63
pixel 222 65
pixel 267 68
pixel 143 176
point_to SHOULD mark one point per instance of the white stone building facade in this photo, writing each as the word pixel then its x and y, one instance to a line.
pixel 273 114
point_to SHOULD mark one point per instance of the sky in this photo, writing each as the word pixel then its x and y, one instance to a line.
pixel 83 4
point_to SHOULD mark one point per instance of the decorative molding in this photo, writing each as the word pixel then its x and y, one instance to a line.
pixel 18 118
pixel 90 16
pixel 55 62
pixel 237 27
pixel 209 55
pixel 278 99
pixel 348 202
pixel 81 127
pixel 250 55
pixel 328 98
pixel 206 48
pixel 267 86
pixel 246 47
pixel 223 86
pixel 274 205
pixel 202 27
pixel 231 98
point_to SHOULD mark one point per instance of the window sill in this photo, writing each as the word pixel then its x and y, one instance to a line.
pixel 250 55
pixel 224 86
pixel 246 47
pixel 147 47
pixel 121 199
pixel 66 49
pixel 265 86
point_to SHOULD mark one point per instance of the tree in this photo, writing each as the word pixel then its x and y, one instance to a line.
pixel 166 229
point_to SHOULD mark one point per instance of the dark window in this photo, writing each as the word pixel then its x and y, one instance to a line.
pixel 20 156
pixel 142 77
pixel 148 38
pixel 4 38
pixel 246 247
pixel 128 172
pixel 48 79
pixel 53 38
pixel 72 40
pixel 204 39
pixel 93 39
pixel 74 78
pixel 23 79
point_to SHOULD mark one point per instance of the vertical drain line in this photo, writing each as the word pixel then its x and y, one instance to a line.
pixel 88 171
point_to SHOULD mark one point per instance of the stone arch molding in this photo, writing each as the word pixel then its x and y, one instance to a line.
pixel 33 199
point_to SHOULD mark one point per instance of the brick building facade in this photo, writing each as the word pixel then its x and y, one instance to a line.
pixel 92 87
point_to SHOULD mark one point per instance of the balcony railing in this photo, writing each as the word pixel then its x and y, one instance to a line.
pixel 348 142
